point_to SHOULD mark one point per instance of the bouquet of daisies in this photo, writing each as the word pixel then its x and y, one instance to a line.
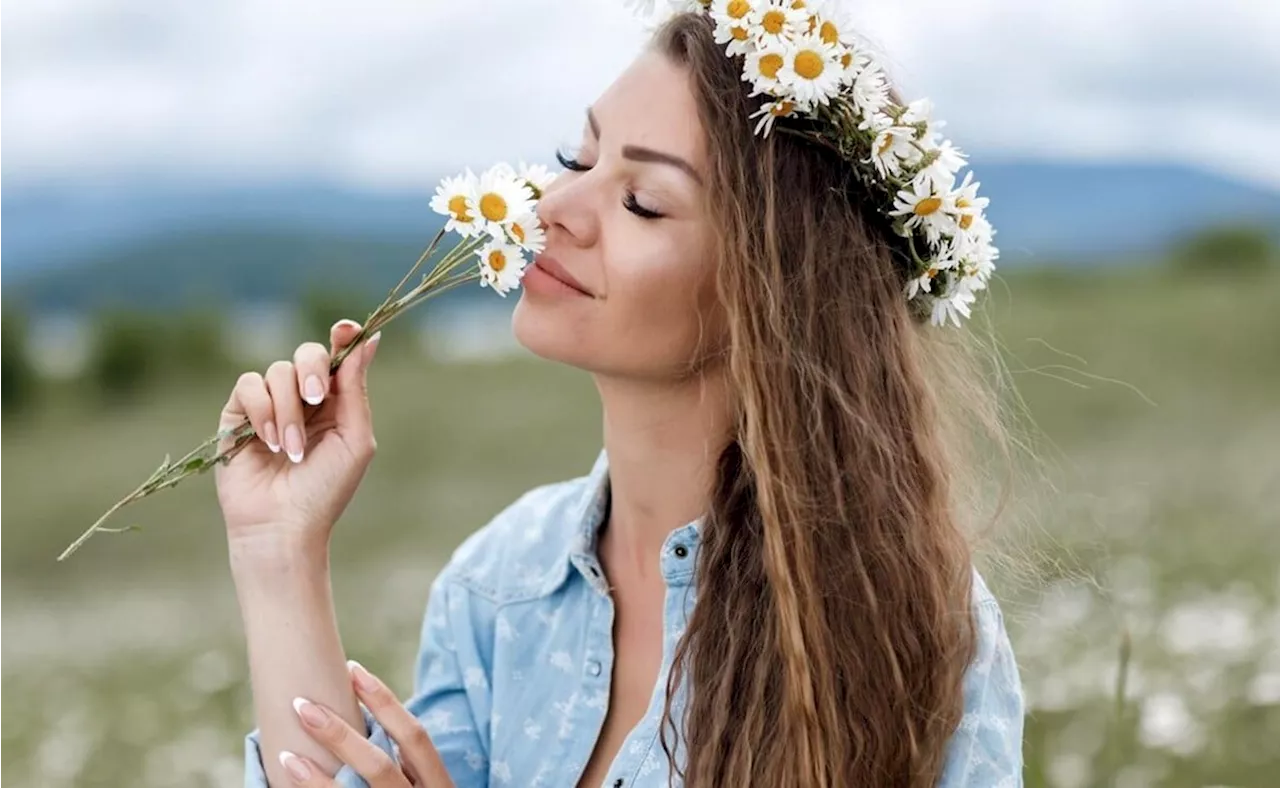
pixel 493 214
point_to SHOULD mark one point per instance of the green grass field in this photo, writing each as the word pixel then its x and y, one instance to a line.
pixel 1157 516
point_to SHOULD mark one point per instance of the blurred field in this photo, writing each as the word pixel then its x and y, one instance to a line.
pixel 125 665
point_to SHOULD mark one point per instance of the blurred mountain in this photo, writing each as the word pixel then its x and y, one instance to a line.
pixel 76 247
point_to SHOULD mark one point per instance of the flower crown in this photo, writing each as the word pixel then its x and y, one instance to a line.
pixel 804 59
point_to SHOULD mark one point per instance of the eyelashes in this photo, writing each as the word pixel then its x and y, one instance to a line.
pixel 629 199
pixel 570 163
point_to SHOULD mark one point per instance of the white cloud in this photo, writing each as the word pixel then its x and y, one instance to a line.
pixel 393 92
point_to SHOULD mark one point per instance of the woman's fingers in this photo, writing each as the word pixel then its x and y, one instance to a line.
pixel 353 414
pixel 250 400
pixel 311 364
pixel 304 771
pixel 348 745
pixel 416 750
pixel 282 382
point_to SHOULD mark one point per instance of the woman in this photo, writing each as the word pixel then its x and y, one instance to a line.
pixel 774 445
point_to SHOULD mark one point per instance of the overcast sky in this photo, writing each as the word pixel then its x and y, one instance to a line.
pixel 391 93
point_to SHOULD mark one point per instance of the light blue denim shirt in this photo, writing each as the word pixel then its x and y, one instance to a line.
pixel 513 673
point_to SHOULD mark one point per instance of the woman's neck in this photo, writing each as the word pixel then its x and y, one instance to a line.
pixel 663 443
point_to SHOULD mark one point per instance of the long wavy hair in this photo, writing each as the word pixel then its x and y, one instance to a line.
pixel 832 627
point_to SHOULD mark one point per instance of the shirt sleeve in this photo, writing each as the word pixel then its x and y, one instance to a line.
pixel 986 749
pixel 451 696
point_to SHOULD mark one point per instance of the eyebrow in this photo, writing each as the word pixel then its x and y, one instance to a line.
pixel 648 155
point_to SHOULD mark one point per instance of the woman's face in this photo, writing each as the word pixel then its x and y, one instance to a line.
pixel 626 229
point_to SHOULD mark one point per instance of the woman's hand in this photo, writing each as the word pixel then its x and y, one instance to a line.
pixel 315 443
pixel 420 765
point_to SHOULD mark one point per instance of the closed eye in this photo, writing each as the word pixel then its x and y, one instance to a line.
pixel 629 201
pixel 569 163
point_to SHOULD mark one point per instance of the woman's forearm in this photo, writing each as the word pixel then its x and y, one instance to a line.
pixel 293 643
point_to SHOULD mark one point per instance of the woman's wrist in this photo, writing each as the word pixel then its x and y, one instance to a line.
pixel 271 556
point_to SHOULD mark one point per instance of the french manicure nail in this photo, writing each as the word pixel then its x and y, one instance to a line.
pixel 295 766
pixel 347 323
pixel 271 437
pixel 362 676
pixel 310 713
pixel 313 390
pixel 371 347
pixel 293 445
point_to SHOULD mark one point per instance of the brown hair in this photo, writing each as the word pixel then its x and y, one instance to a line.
pixel 832 627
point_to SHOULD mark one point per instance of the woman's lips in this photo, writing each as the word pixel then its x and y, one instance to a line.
pixel 546 271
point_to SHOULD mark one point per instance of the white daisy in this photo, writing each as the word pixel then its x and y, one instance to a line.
pixel 501 266
pixel 500 197
pixel 528 233
pixel 966 203
pixel 893 149
pixel 777 21
pixel 733 24
pixel 952 308
pixel 918 114
pixel 924 208
pixel 948 159
pixel 537 177
pixel 456 198
pixel 738 37
pixel 812 70
pixel 920 284
pixel 868 86
pixel 761 69
pixel 768 113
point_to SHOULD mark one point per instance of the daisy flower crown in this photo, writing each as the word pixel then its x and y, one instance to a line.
pixel 819 81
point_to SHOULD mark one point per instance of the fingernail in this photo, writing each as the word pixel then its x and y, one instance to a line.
pixel 371 347
pixel 293 445
pixel 313 390
pixel 271 437
pixel 362 676
pixel 310 713
pixel 295 766
pixel 347 323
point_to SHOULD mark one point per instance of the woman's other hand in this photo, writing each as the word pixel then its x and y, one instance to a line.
pixel 420 765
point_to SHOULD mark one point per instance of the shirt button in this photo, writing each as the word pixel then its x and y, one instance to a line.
pixel 593 667
pixel 681 551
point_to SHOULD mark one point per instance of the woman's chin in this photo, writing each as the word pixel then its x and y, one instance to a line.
pixel 542 334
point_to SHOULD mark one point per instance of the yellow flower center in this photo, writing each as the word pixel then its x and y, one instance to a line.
pixel 773 22
pixel 798 5
pixel 782 109
pixel 829 33
pixel 458 207
pixel 497 260
pixel 738 33
pixel 517 232
pixel 932 272
pixel 927 206
pixel 846 60
pixel 493 207
pixel 738 9
pixel 962 202
pixel 886 145
pixel 769 65
pixel 809 64
pixel 966 221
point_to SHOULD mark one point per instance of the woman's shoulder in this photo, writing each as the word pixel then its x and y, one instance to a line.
pixel 523 552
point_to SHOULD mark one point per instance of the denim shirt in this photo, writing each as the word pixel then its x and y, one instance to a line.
pixel 513 672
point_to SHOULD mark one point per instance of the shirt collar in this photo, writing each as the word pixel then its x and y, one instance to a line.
pixel 679 550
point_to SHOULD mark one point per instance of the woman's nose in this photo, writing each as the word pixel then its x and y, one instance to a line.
pixel 567 207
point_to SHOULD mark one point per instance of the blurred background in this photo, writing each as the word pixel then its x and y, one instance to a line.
pixel 190 190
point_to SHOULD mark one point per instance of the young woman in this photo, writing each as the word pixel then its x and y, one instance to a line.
pixel 763 581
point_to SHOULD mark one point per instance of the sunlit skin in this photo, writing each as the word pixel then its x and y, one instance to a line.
pixel 650 282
